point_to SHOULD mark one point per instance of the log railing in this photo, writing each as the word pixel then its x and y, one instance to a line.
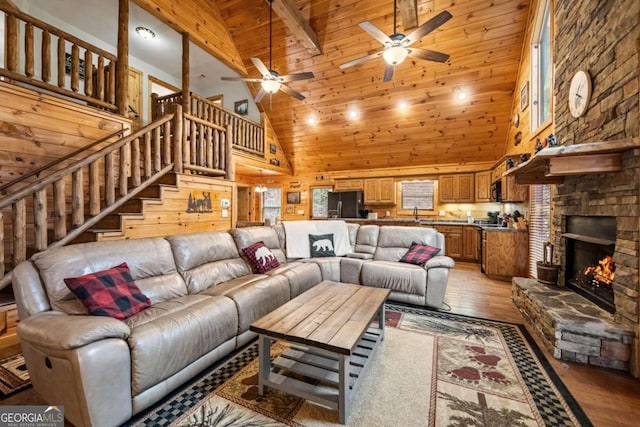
pixel 206 147
pixel 91 70
pixel 246 134
pixel 60 207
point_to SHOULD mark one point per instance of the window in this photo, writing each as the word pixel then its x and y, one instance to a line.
pixel 541 67
pixel 417 194
pixel 539 224
pixel 320 202
pixel 272 204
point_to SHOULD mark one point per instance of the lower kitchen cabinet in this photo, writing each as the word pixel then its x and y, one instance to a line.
pixel 470 243
pixel 460 242
pixel 505 253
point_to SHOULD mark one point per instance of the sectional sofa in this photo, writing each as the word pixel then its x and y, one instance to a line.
pixel 204 294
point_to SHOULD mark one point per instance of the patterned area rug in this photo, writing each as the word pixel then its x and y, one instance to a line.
pixel 13 375
pixel 432 369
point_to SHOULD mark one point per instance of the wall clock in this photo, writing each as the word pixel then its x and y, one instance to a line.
pixel 579 93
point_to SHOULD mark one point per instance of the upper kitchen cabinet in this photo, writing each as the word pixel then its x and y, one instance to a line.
pixel 380 191
pixel 483 186
pixel 348 185
pixel 457 188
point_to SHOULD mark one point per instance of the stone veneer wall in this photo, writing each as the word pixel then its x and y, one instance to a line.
pixel 602 37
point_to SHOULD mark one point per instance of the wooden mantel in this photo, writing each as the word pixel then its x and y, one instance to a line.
pixel 550 165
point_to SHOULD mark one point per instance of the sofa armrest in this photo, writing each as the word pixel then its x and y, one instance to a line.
pixel 441 261
pixel 60 331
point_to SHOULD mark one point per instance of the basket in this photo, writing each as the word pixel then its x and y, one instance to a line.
pixel 547 273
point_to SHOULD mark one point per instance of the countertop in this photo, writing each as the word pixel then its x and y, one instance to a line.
pixel 432 222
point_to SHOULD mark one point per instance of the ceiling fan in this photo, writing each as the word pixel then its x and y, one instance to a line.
pixel 397 46
pixel 271 81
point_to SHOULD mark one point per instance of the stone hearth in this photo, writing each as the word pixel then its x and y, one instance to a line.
pixel 571 327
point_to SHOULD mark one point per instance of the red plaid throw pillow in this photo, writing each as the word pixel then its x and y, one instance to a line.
pixel 111 292
pixel 261 257
pixel 418 254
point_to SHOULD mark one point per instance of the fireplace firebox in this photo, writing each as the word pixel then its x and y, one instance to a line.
pixel 590 267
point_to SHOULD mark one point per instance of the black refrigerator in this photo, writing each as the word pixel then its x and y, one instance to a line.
pixel 346 204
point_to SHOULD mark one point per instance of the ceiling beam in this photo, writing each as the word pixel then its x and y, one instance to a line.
pixel 299 27
pixel 409 12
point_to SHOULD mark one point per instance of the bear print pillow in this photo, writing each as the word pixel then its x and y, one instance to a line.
pixel 321 245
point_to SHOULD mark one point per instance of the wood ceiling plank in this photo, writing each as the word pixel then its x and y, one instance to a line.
pixel 409 13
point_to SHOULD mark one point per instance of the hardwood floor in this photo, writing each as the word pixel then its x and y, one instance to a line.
pixel 609 398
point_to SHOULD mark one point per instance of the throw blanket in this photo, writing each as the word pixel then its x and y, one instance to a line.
pixel 297 236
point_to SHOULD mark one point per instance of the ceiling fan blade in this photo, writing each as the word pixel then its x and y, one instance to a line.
pixel 375 32
pixel 286 89
pixel 240 79
pixel 297 76
pixel 360 60
pixel 429 55
pixel 260 95
pixel 388 73
pixel 261 67
pixel 427 27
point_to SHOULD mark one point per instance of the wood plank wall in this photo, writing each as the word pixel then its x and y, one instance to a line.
pixel 171 217
pixel 36 129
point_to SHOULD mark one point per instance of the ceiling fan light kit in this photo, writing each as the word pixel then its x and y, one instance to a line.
pixel 272 82
pixel 397 46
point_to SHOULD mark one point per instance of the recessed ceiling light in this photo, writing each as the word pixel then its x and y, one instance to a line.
pixel 353 113
pixel 462 95
pixel 145 33
pixel 403 105
pixel 312 120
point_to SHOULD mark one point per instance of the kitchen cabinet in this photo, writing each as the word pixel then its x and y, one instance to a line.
pixel 497 172
pixel 505 253
pixel 470 243
pixel 453 240
pixel 348 185
pixel 457 188
pixel 380 191
pixel 483 186
pixel 512 192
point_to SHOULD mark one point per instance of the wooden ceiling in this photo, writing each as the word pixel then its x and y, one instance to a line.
pixel 484 40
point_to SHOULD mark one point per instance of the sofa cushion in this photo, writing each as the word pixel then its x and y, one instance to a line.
pixel 260 257
pixel 111 292
pixel 206 259
pixel 399 277
pixel 147 258
pixel 301 275
pixel 394 241
pixel 367 239
pixel 254 298
pixel 418 254
pixel 170 335
pixel 321 245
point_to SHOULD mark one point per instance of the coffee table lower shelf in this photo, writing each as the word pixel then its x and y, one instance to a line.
pixel 339 374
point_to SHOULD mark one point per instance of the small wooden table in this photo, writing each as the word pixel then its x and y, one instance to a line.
pixel 330 327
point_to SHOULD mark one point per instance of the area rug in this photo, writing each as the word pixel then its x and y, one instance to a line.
pixel 432 369
pixel 13 375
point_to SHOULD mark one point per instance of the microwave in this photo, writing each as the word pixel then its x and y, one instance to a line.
pixel 496 191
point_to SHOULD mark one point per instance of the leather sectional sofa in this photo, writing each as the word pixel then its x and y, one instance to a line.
pixel 204 296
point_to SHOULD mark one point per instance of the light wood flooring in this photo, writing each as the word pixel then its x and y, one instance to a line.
pixel 608 397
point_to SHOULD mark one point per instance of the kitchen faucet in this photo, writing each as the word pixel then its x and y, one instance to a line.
pixel 415 212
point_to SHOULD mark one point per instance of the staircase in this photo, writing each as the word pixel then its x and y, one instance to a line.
pixel 134 208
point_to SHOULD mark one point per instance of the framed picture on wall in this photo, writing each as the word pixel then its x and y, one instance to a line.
pixel 524 96
pixel 241 107
pixel 272 148
pixel 293 197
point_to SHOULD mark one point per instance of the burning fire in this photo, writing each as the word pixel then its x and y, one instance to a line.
pixel 604 272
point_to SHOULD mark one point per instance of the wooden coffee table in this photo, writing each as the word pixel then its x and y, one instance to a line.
pixel 333 337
